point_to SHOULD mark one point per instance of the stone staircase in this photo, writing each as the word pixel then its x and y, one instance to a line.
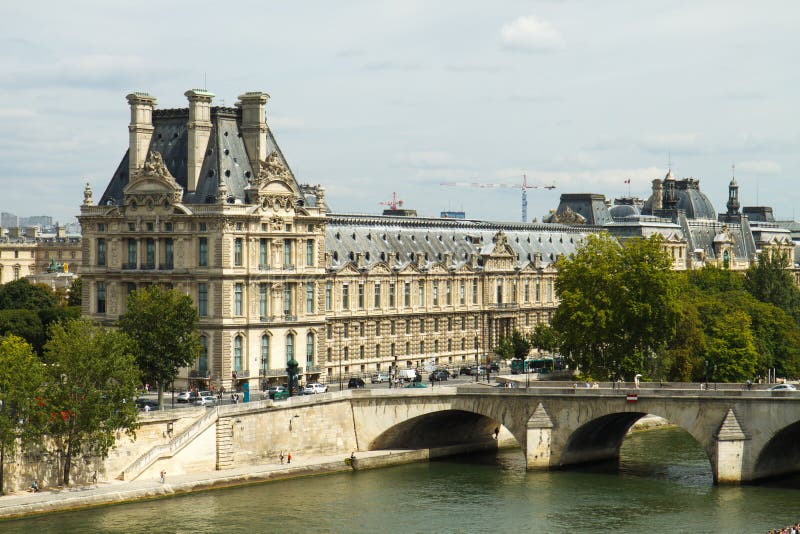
pixel 224 443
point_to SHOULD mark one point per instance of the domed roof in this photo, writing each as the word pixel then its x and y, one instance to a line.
pixel 689 199
pixel 621 211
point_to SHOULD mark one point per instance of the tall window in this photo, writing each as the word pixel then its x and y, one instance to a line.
pixel 407 294
pixel 202 299
pixel 237 252
pixel 150 253
pixel 391 294
pixel 265 352
pixel 421 294
pixel 287 299
pixel 309 297
pixel 101 297
pixel 262 253
pixel 202 362
pixel 132 253
pixel 361 295
pixel 287 252
pixel 346 330
pixel 377 328
pixel 527 290
pixel 449 292
pixel 237 354
pixel 289 347
pixel 309 349
pixel 101 251
pixel 377 295
pixel 538 291
pixel 310 253
pixel 328 291
pixel 474 290
pixel 499 291
pixel 422 326
pixel 345 297
pixel 202 252
pixel 238 289
pixel 462 292
pixel 168 253
pixel 436 324
pixel 262 301
pixel 436 293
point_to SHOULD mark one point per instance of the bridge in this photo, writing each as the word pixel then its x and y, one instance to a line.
pixel 747 435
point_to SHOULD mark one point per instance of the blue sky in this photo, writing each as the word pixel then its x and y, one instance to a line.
pixel 373 97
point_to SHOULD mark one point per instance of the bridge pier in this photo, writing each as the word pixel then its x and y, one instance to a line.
pixel 729 453
pixel 537 439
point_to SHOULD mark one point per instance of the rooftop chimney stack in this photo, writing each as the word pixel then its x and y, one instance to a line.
pixel 140 128
pixel 254 126
pixel 199 131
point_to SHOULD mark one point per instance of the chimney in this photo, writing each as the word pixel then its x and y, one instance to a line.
pixel 140 128
pixel 657 195
pixel 199 131
pixel 61 232
pixel 254 127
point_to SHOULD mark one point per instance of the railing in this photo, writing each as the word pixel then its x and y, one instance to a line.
pixel 313 369
pixel 195 373
pixel 288 267
pixel 129 266
pixel 244 373
pixel 504 305
pixel 166 267
pixel 289 318
pixel 147 266
pixel 264 267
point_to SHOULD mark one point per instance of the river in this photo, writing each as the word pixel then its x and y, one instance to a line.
pixel 663 484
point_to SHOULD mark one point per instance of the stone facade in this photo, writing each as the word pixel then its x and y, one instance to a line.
pixel 24 254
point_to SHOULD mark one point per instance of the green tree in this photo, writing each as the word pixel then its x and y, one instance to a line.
pixel 75 295
pixel 729 353
pixel 770 280
pixel 25 324
pixel 22 295
pixel 617 305
pixel 545 338
pixel 164 324
pixel 21 404
pixel 92 380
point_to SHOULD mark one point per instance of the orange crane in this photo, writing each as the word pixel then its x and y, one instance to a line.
pixel 394 203
pixel 524 186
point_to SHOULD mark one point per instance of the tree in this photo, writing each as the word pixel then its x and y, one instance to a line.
pixel 22 295
pixel 617 305
pixel 164 324
pixel 514 346
pixel 545 338
pixel 770 280
pixel 92 380
pixel 21 405
pixel 25 324
pixel 75 295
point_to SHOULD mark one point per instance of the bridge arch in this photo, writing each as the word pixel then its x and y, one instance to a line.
pixel 780 456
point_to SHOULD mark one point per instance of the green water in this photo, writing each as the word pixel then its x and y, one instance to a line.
pixel 663 484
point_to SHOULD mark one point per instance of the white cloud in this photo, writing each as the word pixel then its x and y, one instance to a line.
pixel 286 123
pixel 531 34
pixel 759 167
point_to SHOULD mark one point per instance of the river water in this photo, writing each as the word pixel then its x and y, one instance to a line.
pixel 663 484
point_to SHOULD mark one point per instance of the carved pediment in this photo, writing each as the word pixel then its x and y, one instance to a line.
pixel 152 185
pixel 273 186
pixel 566 217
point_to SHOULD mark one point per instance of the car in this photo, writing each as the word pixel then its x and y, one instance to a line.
pixel 414 385
pixel 184 397
pixel 274 390
pixel 783 387
pixel 439 375
pixel 315 387
pixel 379 378
pixel 146 404
pixel 281 395
pixel 465 371
pixel 494 366
pixel 205 400
pixel 355 383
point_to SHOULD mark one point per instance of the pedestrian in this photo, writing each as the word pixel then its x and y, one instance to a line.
pixel 281 457
pixel 496 432
pixel 162 476
pixel 147 407
pixel 289 458
pixel 94 478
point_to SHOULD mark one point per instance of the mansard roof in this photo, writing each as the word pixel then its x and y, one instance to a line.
pixel 225 157
pixel 367 241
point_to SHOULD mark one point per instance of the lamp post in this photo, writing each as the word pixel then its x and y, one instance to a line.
pixel 527 376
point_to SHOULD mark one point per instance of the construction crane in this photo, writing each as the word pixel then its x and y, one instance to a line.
pixel 394 203
pixel 524 186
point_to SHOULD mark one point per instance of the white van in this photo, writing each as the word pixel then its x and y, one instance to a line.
pixel 407 375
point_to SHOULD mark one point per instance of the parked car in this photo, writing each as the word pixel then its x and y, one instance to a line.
pixel 355 383
pixel 783 387
pixel 205 400
pixel 408 375
pixel 439 375
pixel 465 371
pixel 281 395
pixel 274 390
pixel 144 404
pixel 379 378
pixel 184 397
pixel 494 366
pixel 415 385
pixel 315 387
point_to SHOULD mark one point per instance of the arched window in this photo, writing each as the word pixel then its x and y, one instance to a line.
pixel 309 349
pixel 289 347
pixel 237 353
pixel 265 352
pixel 202 362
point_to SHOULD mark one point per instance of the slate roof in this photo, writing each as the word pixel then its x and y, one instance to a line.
pixel 225 156
pixel 400 241
pixel 689 198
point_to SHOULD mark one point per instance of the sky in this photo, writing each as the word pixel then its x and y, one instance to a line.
pixel 374 97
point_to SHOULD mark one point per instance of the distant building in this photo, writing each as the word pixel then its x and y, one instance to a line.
pixel 29 253
pixel 453 215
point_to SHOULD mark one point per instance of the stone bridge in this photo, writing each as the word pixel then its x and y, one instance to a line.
pixel 747 435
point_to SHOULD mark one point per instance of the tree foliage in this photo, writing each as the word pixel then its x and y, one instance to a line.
pixel 545 338
pixel 769 280
pixel 75 295
pixel 23 323
pixel 22 295
pixel 617 305
pixel 21 404
pixel 92 380
pixel 163 322
pixel 514 346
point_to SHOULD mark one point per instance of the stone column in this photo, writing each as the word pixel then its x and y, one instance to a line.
pixel 729 451
pixel 199 128
pixel 140 129
pixel 537 449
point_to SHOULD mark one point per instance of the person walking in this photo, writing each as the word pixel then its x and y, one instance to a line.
pixel 289 458
pixel 281 456
pixel 162 476
pixel 496 432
